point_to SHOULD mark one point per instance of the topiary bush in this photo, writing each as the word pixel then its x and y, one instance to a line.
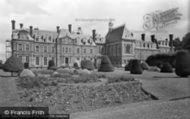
pixel 136 67
pixel 26 65
pixel 75 65
pixel 159 59
pixel 128 66
pixel 166 68
pixel 51 65
pixel 106 65
pixel 13 64
pixel 182 63
pixel 87 64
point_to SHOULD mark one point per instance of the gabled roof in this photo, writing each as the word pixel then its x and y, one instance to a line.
pixel 119 33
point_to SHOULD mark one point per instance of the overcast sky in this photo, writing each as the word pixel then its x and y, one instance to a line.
pixel 47 14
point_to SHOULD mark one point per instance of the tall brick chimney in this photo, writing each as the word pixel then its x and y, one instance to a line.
pixel 13 24
pixel 21 25
pixel 31 30
pixel 152 38
pixel 143 37
pixel 70 28
pixel 93 34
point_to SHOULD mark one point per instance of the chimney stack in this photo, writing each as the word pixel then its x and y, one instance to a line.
pixel 31 30
pixel 93 34
pixel 70 28
pixel 143 37
pixel 152 38
pixel 13 24
pixel 58 29
pixel 21 25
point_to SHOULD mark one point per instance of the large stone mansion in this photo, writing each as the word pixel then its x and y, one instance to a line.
pixel 66 46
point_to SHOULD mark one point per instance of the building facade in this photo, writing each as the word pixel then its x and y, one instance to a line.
pixel 122 45
pixel 64 46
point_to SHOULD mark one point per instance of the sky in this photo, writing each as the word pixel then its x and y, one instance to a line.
pixel 47 14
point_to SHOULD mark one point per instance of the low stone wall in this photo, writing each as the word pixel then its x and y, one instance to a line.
pixel 69 98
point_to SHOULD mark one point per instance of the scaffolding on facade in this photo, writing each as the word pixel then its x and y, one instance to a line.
pixel 8 50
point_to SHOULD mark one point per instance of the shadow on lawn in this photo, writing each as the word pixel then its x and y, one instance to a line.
pixel 166 77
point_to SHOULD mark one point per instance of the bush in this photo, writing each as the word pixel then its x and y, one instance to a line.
pixel 26 65
pixel 87 64
pixel 182 63
pixel 106 65
pixel 13 64
pixel 136 67
pixel 186 42
pixel 51 65
pixel 166 68
pixel 144 66
pixel 128 66
pixel 159 59
pixel 75 65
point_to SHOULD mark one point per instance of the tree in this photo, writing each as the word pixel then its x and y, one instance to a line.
pixel 106 65
pixel 182 63
pixel 136 67
pixel 186 42
pixel 177 44
pixel 13 64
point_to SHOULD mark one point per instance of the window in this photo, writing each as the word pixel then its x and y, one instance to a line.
pixel 20 47
pixel 37 48
pixel 63 49
pixel 128 48
pixel 52 49
pixel 45 48
pixel 20 57
pixel 37 61
pixel 49 38
pixel 66 51
pixel 91 50
pixel 27 59
pixel 45 60
pixel 84 50
pixel 69 50
pixel 78 50
pixel 27 47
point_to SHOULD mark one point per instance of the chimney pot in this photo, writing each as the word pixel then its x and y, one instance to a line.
pixel 21 25
pixel 31 30
pixel 13 24
pixel 58 29
pixel 70 28
pixel 93 34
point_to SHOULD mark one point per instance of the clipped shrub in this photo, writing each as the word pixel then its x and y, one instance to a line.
pixel 51 65
pixel 159 59
pixel 166 68
pixel 13 64
pixel 75 65
pixel 27 72
pixel 87 64
pixel 106 65
pixel 26 65
pixel 144 66
pixel 136 67
pixel 154 69
pixel 128 66
pixel 182 63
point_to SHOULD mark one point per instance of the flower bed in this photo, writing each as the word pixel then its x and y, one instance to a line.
pixel 69 98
